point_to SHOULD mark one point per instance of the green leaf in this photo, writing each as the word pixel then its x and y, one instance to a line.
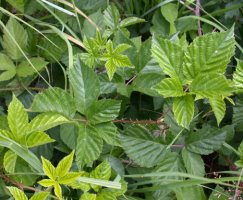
pixel 69 178
pixel 170 13
pixel 17 193
pixel 169 55
pixel 58 190
pixel 64 165
pixel 37 138
pixel 54 100
pixel 85 84
pixel 219 107
pixel 190 193
pixel 183 108
pixel 210 85
pixel 111 16
pixel 9 161
pixel 209 53
pixel 193 162
pixel 69 134
pixel 106 195
pixel 18 4
pixel 14 31
pixel 49 169
pixel 24 69
pixel 102 171
pixel 140 146
pixel 8 68
pixel 206 140
pixel 89 145
pixel 114 58
pixel 238 75
pixel 80 185
pixel 45 121
pixel 130 21
pixel 219 193
pixel 88 196
pixel 17 118
pixel 103 110
pixel 109 133
pixel 46 182
pixel 40 196
pixel 170 87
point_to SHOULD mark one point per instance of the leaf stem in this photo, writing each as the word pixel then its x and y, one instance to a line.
pixel 197 13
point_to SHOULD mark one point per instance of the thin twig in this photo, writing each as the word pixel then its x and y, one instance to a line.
pixel 197 13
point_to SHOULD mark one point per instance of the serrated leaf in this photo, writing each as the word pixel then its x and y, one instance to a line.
pixel 111 16
pixel 46 182
pixel 38 138
pixel 17 193
pixel 210 85
pixel 183 108
pixel 17 118
pixel 209 53
pixel 106 195
pixel 40 196
pixel 89 145
pixel 24 69
pixel 238 114
pixel 85 84
pixel 103 110
pixel 69 178
pixel 103 172
pixel 80 185
pixel 190 193
pixel 64 165
pixel 114 58
pixel 48 169
pixel 238 75
pixel 109 133
pixel 88 196
pixel 68 134
pixel 58 190
pixel 169 55
pixel 206 140
pixel 8 68
pixel 140 146
pixel 9 161
pixel 130 21
pixel 45 121
pixel 14 31
pixel 170 87
pixel 193 162
pixel 219 107
pixel 54 100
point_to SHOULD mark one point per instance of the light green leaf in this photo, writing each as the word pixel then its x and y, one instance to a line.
pixel 206 140
pixel 209 53
pixel 54 100
pixel 9 161
pixel 140 146
pixel 238 75
pixel 210 85
pixel 85 84
pixel 88 196
pixel 130 21
pixel 114 58
pixel 64 165
pixel 58 190
pixel 102 171
pixel 183 108
pixel 46 121
pixel 109 133
pixel 219 107
pixel 18 4
pixel 69 178
pixel 89 145
pixel 106 195
pixel 8 68
pixel 170 87
pixel 169 55
pixel 17 193
pixel 47 182
pixel 37 138
pixel 103 110
pixel 193 162
pixel 80 185
pixel 24 69
pixel 17 118
pixel 14 31
pixel 170 13
pixel 40 196
pixel 49 169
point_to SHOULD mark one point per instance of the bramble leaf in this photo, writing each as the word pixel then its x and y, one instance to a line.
pixel 64 165
pixel 49 169
pixel 219 107
pixel 17 193
pixel 8 68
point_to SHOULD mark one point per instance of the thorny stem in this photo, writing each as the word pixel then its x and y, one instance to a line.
pixel 197 13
